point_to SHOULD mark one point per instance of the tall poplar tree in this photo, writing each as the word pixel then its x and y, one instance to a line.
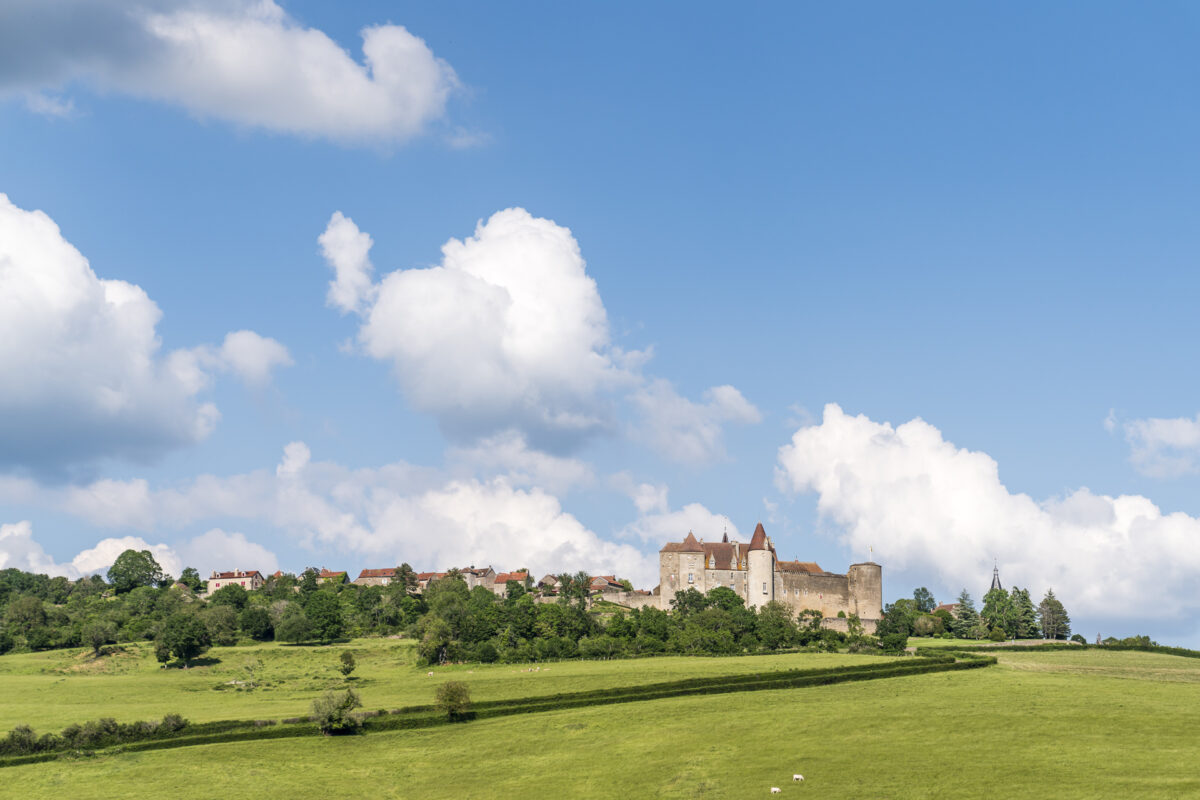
pixel 998 611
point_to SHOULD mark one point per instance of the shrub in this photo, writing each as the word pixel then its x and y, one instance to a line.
pixel 486 653
pixel 454 697
pixel 997 634
pixel 334 713
pixel 1077 638
pixel 894 643
pixel 347 664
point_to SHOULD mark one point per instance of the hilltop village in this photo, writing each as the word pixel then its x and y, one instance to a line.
pixel 751 570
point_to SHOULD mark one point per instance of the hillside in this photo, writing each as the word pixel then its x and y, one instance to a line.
pixel 1039 724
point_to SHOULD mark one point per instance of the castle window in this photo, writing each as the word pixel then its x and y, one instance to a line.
pixel 691 577
pixel 764 587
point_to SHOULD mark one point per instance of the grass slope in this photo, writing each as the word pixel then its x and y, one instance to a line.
pixel 1053 725
pixel 53 689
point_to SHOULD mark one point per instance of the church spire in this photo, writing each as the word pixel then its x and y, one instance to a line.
pixel 996 578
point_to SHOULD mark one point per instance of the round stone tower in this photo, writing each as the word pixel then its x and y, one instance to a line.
pixel 760 570
pixel 866 590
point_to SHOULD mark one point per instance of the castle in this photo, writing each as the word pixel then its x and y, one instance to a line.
pixel 757 575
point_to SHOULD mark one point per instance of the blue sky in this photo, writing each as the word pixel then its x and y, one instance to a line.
pixel 978 217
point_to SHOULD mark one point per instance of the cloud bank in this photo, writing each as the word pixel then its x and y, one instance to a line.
pixel 241 61
pixel 92 380
pixel 394 513
pixel 209 551
pixel 929 507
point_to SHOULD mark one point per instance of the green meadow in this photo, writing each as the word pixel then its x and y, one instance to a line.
pixel 1052 724
pixel 51 689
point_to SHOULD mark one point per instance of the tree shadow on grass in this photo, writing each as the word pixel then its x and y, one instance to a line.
pixel 195 662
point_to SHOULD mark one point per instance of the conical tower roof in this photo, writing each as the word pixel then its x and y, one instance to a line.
pixel 996 578
pixel 759 540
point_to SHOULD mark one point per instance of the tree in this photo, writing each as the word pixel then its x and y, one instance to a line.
pixel 999 612
pixel 325 613
pixel 902 614
pixel 454 697
pixel 191 579
pixel 293 625
pixel 924 600
pixel 229 595
pixel 434 645
pixel 774 626
pixel 687 602
pixel 334 713
pixel 222 624
pixel 185 636
pixel 894 626
pixel 405 578
pixel 256 622
pixel 1025 613
pixel 965 616
pixel 308 582
pixel 134 568
pixel 98 634
pixel 347 664
pixel 1053 617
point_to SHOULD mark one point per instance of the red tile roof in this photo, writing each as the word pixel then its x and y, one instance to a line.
pixel 759 540
pixel 504 577
pixel 689 545
pixel 386 572
pixel 811 567
pixel 224 576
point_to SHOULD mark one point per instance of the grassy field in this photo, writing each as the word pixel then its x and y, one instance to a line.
pixel 52 689
pixel 1055 725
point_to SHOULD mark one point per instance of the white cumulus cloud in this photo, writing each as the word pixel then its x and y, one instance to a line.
pixel 1161 447
pixel 687 431
pixel 509 334
pixel 928 507
pixel 86 376
pixel 671 526
pixel 242 61
pixel 507 454
pixel 19 550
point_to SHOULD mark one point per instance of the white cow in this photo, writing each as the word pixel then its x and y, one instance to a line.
pixel 775 790
pixel 797 778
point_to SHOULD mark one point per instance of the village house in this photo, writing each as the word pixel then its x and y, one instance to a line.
pixel 327 576
pixel 247 580
pixel 375 577
pixel 500 583
pixel 606 584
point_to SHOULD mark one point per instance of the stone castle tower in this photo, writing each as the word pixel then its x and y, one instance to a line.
pixel 761 579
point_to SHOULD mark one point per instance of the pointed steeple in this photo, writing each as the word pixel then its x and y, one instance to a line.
pixel 690 543
pixel 759 540
pixel 725 537
pixel 996 578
